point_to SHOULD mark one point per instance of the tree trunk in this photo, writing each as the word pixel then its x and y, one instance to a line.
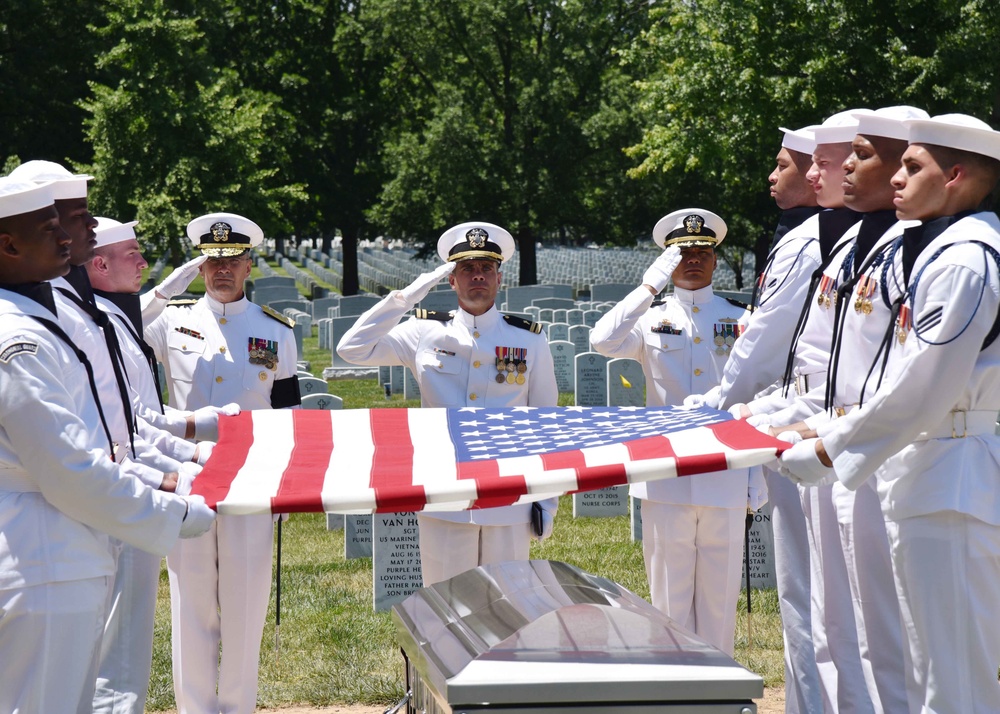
pixel 529 258
pixel 350 245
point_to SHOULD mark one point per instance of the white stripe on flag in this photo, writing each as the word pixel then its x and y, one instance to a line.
pixel 347 487
pixel 267 457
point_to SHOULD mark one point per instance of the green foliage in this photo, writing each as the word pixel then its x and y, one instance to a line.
pixel 177 133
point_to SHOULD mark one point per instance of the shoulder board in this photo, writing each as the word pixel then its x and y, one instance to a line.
pixel 271 312
pixel 515 321
pixel 422 314
pixel 737 303
pixel 181 302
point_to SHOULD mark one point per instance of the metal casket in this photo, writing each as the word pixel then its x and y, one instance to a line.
pixel 544 636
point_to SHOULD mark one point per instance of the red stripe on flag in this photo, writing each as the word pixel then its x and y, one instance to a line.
pixel 502 490
pixel 302 480
pixel 593 478
pixel 563 460
pixel 392 463
pixel 650 447
pixel 228 457
pixel 737 434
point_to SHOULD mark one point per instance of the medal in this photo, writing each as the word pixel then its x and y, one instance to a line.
pixel 500 377
pixel 902 323
pixel 510 377
pixel 520 379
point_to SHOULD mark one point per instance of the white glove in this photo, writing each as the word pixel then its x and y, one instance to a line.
pixel 792 437
pixel 736 411
pixel 178 280
pixel 185 477
pixel 802 465
pixel 658 274
pixel 204 452
pixel 418 289
pixel 197 519
pixel 756 498
pixel 762 422
pixel 206 421
pixel 708 399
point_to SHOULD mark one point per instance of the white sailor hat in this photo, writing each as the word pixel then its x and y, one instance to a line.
pixel 888 121
pixel 956 131
pixel 222 235
pixel 65 185
pixel 111 231
pixel 475 241
pixel 802 140
pixel 689 227
pixel 839 128
pixel 18 196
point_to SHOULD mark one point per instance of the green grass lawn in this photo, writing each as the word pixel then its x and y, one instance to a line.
pixel 335 649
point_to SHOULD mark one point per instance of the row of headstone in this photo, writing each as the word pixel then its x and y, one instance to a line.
pixel 602 381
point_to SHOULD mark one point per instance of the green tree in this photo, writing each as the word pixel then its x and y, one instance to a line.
pixel 512 111
pixel 176 132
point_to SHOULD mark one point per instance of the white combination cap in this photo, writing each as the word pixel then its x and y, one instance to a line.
pixel 18 196
pixel 65 185
pixel 475 241
pixel 111 231
pixel 689 227
pixel 956 131
pixel 888 121
pixel 801 140
pixel 222 235
pixel 839 128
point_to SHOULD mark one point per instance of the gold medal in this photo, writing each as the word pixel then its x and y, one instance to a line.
pixel 866 307
pixel 520 379
pixel 720 350
pixel 522 367
pixel 510 378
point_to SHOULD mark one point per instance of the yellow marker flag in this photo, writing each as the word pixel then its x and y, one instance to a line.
pixel 625 383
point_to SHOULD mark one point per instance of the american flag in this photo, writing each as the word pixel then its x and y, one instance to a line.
pixel 385 460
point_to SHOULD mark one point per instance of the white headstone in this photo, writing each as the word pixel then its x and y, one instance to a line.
pixel 411 387
pixel 396 374
pixel 396 558
pixel 579 335
pixel 562 360
pixel 605 503
pixel 626 383
pixel 558 331
pixel 591 384
pixel 357 536
pixel 761 551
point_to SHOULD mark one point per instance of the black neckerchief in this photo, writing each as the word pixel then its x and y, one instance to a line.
pixel 917 238
pixel 873 226
pixel 833 224
pixel 78 278
pixel 128 303
pixel 792 218
pixel 39 292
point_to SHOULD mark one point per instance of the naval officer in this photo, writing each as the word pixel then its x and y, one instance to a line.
pixel 474 357
pixel 223 349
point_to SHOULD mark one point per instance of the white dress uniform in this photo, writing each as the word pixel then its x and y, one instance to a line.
pixel 928 435
pixel 59 502
pixel 692 527
pixel 757 360
pixel 864 317
pixel 213 354
pixel 454 360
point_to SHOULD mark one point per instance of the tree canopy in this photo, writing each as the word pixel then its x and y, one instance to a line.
pixel 568 121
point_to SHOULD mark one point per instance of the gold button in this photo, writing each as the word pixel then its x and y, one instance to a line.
pixel 218 380
pixel 476 364
pixel 222 349
pixel 262 376
pixel 475 334
pixel 440 365
pixel 222 321
pixel 184 347
pixel 697 373
pixel 473 396
pixel 695 309
pixel 697 340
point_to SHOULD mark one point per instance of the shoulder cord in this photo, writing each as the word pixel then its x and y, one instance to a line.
pixel 848 280
pixel 148 353
pixel 114 351
pixel 759 285
pixel 908 294
pixel 58 332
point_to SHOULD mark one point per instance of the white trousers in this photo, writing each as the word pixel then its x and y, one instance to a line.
pixel 127 646
pixel 49 640
pixel 693 556
pixel 447 548
pixel 873 593
pixel 947 571
pixel 803 694
pixel 835 635
pixel 220 583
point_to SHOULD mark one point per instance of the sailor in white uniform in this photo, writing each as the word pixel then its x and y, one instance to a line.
pixel 473 357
